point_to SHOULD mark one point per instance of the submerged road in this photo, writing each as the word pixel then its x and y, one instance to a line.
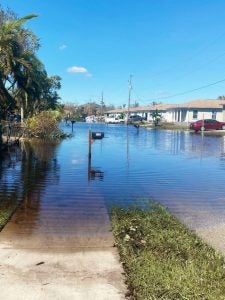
pixel 59 253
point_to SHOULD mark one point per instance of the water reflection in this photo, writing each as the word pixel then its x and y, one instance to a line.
pixel 61 186
pixel 38 162
pixel 93 172
pixel 26 177
pixel 10 188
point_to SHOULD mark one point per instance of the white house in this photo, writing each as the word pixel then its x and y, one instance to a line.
pixel 197 109
pixel 186 112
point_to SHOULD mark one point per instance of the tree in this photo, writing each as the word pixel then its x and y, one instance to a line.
pixel 156 116
pixel 14 44
pixel 136 104
pixel 24 81
pixel 154 103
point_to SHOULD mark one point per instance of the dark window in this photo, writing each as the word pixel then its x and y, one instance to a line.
pixel 195 114
pixel 214 115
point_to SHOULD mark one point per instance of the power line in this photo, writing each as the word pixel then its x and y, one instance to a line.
pixel 187 92
pixel 199 51
pixel 201 66
pixel 193 70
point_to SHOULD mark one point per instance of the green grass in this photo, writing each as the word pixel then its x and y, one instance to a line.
pixel 167 125
pixel 163 259
pixel 7 208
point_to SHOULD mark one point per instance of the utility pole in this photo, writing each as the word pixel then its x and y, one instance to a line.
pixel 101 109
pixel 129 97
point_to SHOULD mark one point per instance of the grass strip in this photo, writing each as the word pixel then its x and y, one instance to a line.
pixel 7 209
pixel 163 259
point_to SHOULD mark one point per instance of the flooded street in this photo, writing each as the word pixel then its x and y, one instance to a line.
pixel 182 170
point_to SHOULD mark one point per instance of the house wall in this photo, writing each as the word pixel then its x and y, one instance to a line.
pixel 165 115
pixel 185 115
pixel 223 113
pixel 205 114
pixel 181 114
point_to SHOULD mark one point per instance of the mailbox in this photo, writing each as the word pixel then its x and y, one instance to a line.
pixel 97 135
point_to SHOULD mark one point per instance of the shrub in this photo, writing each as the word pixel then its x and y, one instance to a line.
pixel 44 125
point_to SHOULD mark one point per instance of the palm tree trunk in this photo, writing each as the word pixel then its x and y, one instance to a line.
pixel 22 112
pixel 6 100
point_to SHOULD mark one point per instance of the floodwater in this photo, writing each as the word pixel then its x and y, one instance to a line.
pixel 182 170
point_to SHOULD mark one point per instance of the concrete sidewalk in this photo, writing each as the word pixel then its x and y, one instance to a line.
pixel 47 255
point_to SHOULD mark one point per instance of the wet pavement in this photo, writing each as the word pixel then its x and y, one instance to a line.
pixel 59 243
pixel 61 257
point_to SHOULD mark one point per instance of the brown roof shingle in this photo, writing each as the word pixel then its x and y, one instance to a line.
pixel 199 103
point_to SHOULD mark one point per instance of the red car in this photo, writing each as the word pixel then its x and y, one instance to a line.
pixel 207 124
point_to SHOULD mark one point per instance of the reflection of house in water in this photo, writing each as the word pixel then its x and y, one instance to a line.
pixel 190 144
pixel 222 146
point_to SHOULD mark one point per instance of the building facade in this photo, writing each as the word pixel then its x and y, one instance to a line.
pixel 187 112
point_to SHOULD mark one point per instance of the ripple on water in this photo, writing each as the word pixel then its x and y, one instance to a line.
pixel 184 171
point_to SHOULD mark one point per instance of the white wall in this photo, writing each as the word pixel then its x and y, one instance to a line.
pixel 187 115
pixel 183 115
pixel 203 115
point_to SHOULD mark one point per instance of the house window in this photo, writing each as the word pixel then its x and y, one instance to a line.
pixel 214 115
pixel 195 114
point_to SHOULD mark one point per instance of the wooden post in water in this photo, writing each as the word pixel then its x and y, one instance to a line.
pixel 72 122
pixel 89 143
pixel 89 154
pixel 203 124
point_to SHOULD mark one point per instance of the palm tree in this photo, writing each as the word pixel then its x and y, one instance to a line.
pixel 14 44
pixel 30 83
pixel 24 81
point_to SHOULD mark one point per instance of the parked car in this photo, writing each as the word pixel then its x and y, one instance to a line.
pixel 136 118
pixel 207 124
pixel 114 120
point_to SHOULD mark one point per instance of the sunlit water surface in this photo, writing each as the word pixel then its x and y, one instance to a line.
pixel 182 170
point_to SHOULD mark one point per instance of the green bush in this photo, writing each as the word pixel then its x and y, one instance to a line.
pixel 44 125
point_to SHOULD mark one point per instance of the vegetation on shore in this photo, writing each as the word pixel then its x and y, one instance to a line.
pixel 166 125
pixel 25 86
pixel 7 208
pixel 44 126
pixel 163 259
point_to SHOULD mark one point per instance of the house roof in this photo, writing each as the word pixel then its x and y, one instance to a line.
pixel 202 103
pixel 159 107
pixel 198 104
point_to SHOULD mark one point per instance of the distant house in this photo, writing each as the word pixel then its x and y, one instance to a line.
pixel 198 109
pixel 186 112
pixel 91 119
pixel 142 111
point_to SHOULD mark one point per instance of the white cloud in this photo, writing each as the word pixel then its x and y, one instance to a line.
pixel 79 70
pixel 62 47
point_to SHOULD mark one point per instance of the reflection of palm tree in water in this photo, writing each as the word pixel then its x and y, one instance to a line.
pixel 127 152
pixel 37 163
pixel 10 188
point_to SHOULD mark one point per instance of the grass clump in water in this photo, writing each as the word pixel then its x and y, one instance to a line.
pixel 163 259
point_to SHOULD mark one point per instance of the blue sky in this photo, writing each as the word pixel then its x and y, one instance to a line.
pixel 169 47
